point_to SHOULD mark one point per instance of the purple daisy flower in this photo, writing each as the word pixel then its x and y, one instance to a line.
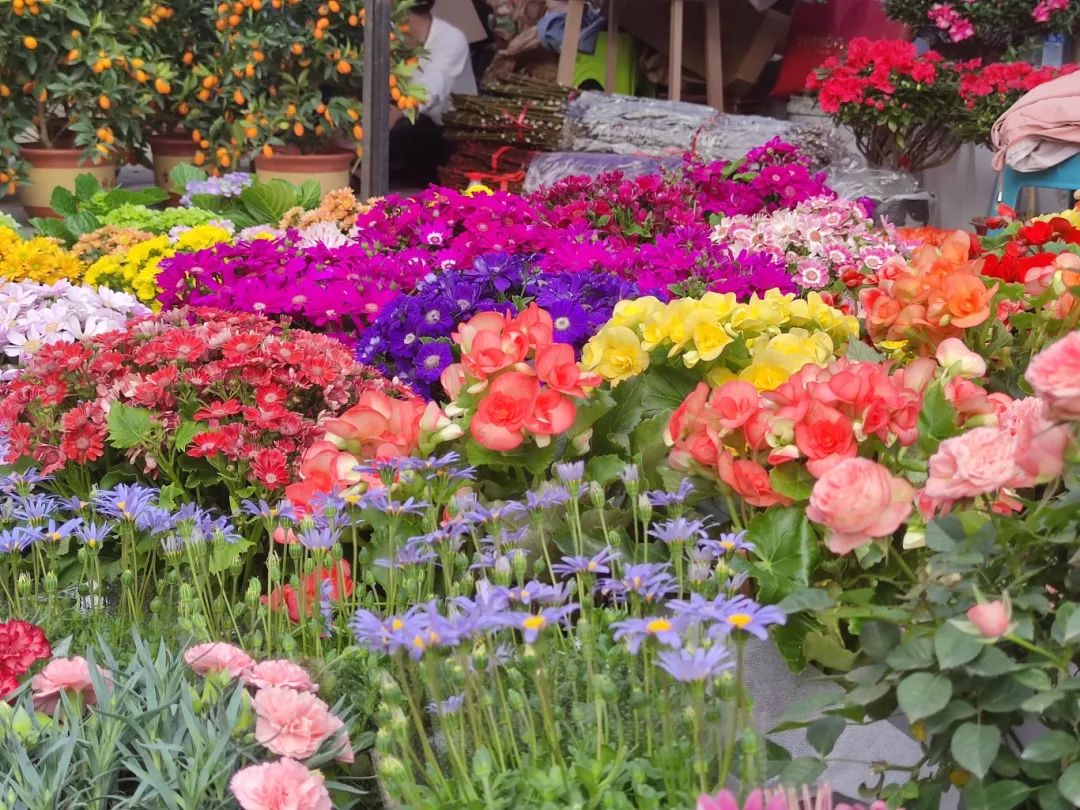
pixel 664 629
pixel 596 564
pixel 530 624
pixel 699 664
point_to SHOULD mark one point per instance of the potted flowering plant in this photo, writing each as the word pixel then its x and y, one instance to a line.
pixel 899 104
pixel 68 102
pixel 292 70
pixel 987 91
pixel 985 27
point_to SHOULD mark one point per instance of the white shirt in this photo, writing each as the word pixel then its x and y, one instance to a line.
pixel 446 68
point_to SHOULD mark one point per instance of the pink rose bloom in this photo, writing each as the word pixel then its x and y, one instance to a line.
pixel 990 619
pixel 1040 444
pixel 1054 374
pixel 858 500
pixel 218 657
pixel 282 785
pixel 294 724
pixel 279 672
pixel 64 675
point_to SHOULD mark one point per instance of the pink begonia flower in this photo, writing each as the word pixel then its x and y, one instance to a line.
pixel 1054 374
pixel 295 724
pixel 279 672
pixel 991 619
pixel 282 785
pixel 64 675
pixel 858 500
pixel 218 656
pixel 956 358
pixel 974 463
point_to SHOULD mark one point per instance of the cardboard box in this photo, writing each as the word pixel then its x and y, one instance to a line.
pixel 749 38
pixel 461 14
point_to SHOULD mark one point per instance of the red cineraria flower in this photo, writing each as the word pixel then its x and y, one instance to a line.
pixel 218 410
pixel 271 395
pixel 86 443
pixel 21 645
pixel 270 468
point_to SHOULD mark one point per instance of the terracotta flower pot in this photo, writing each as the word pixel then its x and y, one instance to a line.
pixel 168 152
pixel 331 171
pixel 52 168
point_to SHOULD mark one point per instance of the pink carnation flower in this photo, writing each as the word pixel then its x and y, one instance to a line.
pixel 218 657
pixel 279 672
pixel 295 724
pixel 1054 374
pixel 70 675
pixel 282 785
pixel 858 500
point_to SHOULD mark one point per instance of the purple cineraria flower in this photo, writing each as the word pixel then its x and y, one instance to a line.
pixel 679 530
pixel 698 664
pixel 742 613
pixel 55 532
pixel 539 592
pixel 318 537
pixel 409 506
pixel 649 581
pixel 728 543
pixel 495 513
pixel 18 539
pixel 530 624
pixel 408 556
pixel 282 510
pixel 448 706
pixel 570 472
pixel 93 534
pixel 35 507
pixel 660 497
pixel 596 564
pixel 665 629
pixel 126 502
pixel 697 608
pixel 326 606
pixel 547 498
pixel 504 539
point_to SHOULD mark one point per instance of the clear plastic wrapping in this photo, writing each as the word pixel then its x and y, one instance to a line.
pixel 551 167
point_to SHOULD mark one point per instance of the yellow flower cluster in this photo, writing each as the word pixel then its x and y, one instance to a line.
pixel 39 259
pixel 1072 216
pixel 763 341
pixel 136 269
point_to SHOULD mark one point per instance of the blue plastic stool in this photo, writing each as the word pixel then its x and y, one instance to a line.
pixel 1064 176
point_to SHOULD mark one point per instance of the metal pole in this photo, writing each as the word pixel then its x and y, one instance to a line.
pixel 375 162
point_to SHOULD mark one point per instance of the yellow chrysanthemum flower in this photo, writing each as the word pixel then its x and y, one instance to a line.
pixel 38 259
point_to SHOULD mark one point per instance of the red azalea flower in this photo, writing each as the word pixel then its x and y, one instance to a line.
pixel 21 645
pixel 270 468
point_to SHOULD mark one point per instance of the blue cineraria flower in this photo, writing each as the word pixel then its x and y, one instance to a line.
pixel 126 502
pixel 742 613
pixel 569 319
pixel 35 506
pixel 665 629
pixel 679 530
pixel 649 581
pixel 570 472
pixel 326 606
pixel 699 664
pixel 540 592
pixel 660 497
pixel 596 564
pixel 488 599
pixel 728 543
pixel 93 534
pixel 409 506
pixel 547 498
pixel 279 511
pixel 55 532
pixel 494 513
pixel 505 539
pixel 448 706
pixel 319 537
pixel 18 539
pixel 530 624
pixel 408 555
pixel 432 359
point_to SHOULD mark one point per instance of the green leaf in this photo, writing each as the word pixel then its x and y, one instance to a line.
pixel 54 228
pixel 226 555
pixel 616 427
pixel 1003 795
pixel 86 186
pixel 129 427
pixel 77 15
pixel 975 746
pixel 665 388
pixel 801 771
pixel 63 201
pixel 862 353
pixel 810 706
pixel 955 647
pixel 878 639
pixel 992 663
pixel 309 194
pixel 812 599
pixel 1051 746
pixel 80 223
pixel 1066 627
pixel 913 653
pixel 1003 695
pixel 604 469
pixel 937 420
pixel 824 732
pixel 923 694
pixel 785 553
pixel 268 202
pixel 1069 783
pixel 184 173
pixel 187 431
pixel 828 650
pixel 792 480
pixel 942 534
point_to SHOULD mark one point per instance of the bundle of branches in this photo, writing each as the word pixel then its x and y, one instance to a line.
pixel 502 168
pixel 519 111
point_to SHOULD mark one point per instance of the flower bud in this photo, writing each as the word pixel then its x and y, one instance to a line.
pixel 127 578
pixel 580 443
pixel 24 586
pixel 520 565
pixel 253 592
pixel 391 768
pixel 596 494
pixel 515 700
pixel 481 764
pixel 52 584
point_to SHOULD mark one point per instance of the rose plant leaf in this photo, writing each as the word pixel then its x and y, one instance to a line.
pixel 912 653
pixel 1003 795
pixel 923 694
pixel 1051 746
pixel 954 647
pixel 824 732
pixel 801 771
pixel 1069 783
pixel 991 663
pixel 128 426
pixel 810 599
pixel 878 639
pixel 974 747
pixel 1066 628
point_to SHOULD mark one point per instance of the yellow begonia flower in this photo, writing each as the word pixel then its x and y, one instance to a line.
pixel 632 312
pixel 720 375
pixel 763 376
pixel 708 335
pixel 721 304
pixel 1072 216
pixel 615 353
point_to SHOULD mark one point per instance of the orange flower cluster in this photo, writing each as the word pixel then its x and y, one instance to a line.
pixel 937 295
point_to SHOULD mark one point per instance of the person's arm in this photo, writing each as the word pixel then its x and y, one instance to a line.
pixel 448 60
